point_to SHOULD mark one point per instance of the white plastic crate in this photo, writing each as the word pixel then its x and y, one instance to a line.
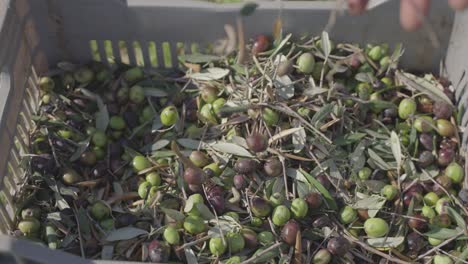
pixel 36 34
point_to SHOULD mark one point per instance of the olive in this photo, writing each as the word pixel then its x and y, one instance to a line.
pixel 209 94
pixel 317 72
pixel 299 208
pixel 431 198
pixel 169 116
pixel 125 219
pixel 338 246
pixel 406 108
pixel 425 104
pixel 245 166
pixel 107 224
pixel 376 53
pixel 441 205
pixel 207 115
pixel 273 167
pixel 442 259
pixel 443 182
pixel 426 158
pixel 455 172
pixel 415 242
pixel 376 227
pixel 306 63
pixel 46 84
pixel 250 237
pixel 442 110
pixel 322 257
pixel 261 44
pixel 426 141
pixel 363 214
pixel 256 221
pixel 158 252
pixel 140 163
pixel 257 142
pixel 117 123
pixel 322 221
pixel 364 90
pixel 99 139
pixel 234 215
pixel 423 124
pixel 153 179
pixel 281 215
pixel 445 128
pixel 31 212
pixel 415 196
pixel 364 173
pixel 122 95
pixel 239 181
pixel 99 153
pixel 289 232
pixel 266 238
pixel 66 134
pixel 217 246
pixel 442 220
pixel 29 226
pixel 270 117
pixel 323 179
pixel 448 144
pixel 199 158
pixel 195 199
pixel 143 189
pixel 70 176
pixel 389 191
pixel 276 199
pixel 137 94
pixel 100 210
pixel 260 207
pixel 88 158
pixel 445 156
pixel 83 75
pixel 194 176
pixel 233 260
pixel 218 203
pixel 133 74
pixel 171 235
pixel 212 170
pixel 418 222
pixel 194 224
pixel 348 214
pixel 285 67
pixel 235 242
pixel 428 212
pixel 313 200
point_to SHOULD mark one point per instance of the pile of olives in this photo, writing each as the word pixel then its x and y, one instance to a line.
pixel 170 166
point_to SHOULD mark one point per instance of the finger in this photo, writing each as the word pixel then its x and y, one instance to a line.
pixel 412 13
pixel 357 7
pixel 458 4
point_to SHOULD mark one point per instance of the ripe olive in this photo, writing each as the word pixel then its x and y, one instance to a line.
pixel 418 222
pixel 445 156
pixel 364 173
pixel 442 110
pixel 99 139
pixel 239 181
pixel 153 179
pixel 266 238
pixel 250 237
pixel 376 227
pixel 313 200
pixel 423 124
pixel 245 166
pixel 426 158
pixel 348 214
pixel 338 246
pixel 281 215
pixel 194 224
pixel 169 116
pixel 212 170
pixel 159 252
pixel 29 226
pixel 137 94
pixel 425 104
pixel 88 158
pixel 257 142
pixel 415 242
pixel 31 212
pixel 363 214
pixel 171 235
pixel 270 117
pixel 260 207
pixel 261 44
pixel 426 141
pixel 389 191
pixel 235 242
pixel 306 63
pixel 455 172
pixel 299 208
pixel 217 246
pixel 100 211
pixel 133 74
pixel 406 108
pixel 322 257
pixel 273 167
pixel 194 176
pixel 289 232
pixel 140 163
pixel 285 67
pixel 445 128
pixel 442 220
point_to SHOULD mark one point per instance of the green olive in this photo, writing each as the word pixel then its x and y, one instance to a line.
pixel 140 163
pixel 376 227
pixel 281 215
pixel 169 116
pixel 31 212
pixel 99 152
pixel 46 84
pixel 442 259
pixel 29 226
pixel 406 108
pixel 99 139
pixel 199 158
pixel 148 113
pixel 217 246
pixel 117 123
pixel 70 176
pixel 322 256
pixel 233 260
pixel 65 133
pixel 235 242
pixel 137 94
pixel 364 173
pixel 107 224
pixel 207 115
pixel 171 235
pixel 441 205
pixel 376 53
pixel 133 74
pixel 214 167
pixel 88 158
pixel 194 224
pixel 431 198
pixel 143 189
pixel 218 104
pixel 385 61
pixel 434 241
pixel 299 208
pixel 387 81
pixel 389 191
pixel 304 111
pixel 256 221
pixel 348 214
pixel 234 215
pixel 209 94
pixel 423 124
pixel 428 212
pixel 317 72
pixel 277 199
pixel 83 75
pixel 195 198
pixel 153 178
pixel 306 63
pixel 266 238
pixel 445 128
pixel 270 117
pixel 455 172
pixel 100 211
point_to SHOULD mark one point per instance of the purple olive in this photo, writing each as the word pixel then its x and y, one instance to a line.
pixel 425 159
pixel 443 182
pixel 289 232
pixel 239 181
pixel 260 207
pixel 338 246
pixel 218 203
pixel 442 110
pixel 426 141
pixel 194 176
pixel 257 142
pixel 158 251
pixel 245 166
pixel 415 242
pixel 273 167
pixel 314 200
pixel 418 222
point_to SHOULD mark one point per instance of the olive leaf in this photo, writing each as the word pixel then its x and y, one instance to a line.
pixel 209 74
pixel 415 83
pixel 189 143
pixel 299 139
pixel 205 211
pixel 328 198
pixel 174 214
pixel 326 45
pixel 396 148
pixel 349 138
pixel 296 174
pixel 457 217
pixel 107 252
pixel 443 233
pixel 378 161
pixel 284 86
pixel 156 145
pixel 199 58
pixel 154 92
pixel 324 112
pixel 190 256
pixel 231 148
pixel 102 116
pixel 373 203
pixel 83 220
pixel 385 242
pixel 82 146
pixel 125 233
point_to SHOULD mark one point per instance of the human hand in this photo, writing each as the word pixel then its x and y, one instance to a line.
pixel 411 11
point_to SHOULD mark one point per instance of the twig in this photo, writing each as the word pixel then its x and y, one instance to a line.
pixel 439 246
pixel 186 245
pixel 79 232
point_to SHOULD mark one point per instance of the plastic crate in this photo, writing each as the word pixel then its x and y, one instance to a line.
pixel 36 34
